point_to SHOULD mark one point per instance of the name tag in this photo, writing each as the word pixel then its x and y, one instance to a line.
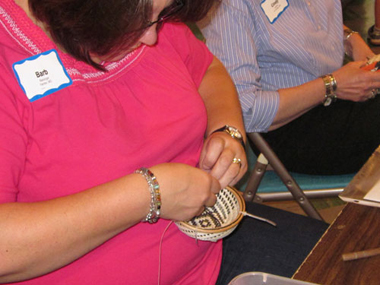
pixel 41 75
pixel 274 8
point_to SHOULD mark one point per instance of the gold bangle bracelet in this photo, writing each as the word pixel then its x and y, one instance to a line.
pixel 330 88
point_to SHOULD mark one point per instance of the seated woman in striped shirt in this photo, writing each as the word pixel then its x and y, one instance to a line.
pixel 286 59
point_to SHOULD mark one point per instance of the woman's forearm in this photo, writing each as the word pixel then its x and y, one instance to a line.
pixel 296 101
pixel 36 238
pixel 220 97
pixel 355 47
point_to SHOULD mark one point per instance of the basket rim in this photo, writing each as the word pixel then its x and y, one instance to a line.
pixel 239 217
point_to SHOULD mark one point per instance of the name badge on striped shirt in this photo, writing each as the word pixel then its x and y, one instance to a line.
pixel 274 8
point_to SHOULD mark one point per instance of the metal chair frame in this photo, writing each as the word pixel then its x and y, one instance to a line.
pixel 268 156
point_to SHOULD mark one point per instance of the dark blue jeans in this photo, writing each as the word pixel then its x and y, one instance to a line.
pixel 258 246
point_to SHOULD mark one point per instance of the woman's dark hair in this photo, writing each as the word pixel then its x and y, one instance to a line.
pixel 102 27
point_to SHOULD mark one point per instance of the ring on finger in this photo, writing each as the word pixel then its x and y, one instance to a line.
pixel 237 161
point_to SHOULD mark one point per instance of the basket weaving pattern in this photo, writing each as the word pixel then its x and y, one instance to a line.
pixel 218 221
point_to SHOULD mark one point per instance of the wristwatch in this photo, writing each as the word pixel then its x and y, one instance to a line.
pixel 233 132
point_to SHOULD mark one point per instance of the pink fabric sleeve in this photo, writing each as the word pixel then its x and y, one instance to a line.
pixel 193 51
pixel 13 143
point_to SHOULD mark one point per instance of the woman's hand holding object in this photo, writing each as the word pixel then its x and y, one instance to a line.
pixel 185 190
pixel 355 83
pixel 224 158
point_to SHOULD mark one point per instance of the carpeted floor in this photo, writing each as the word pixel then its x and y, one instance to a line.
pixel 328 208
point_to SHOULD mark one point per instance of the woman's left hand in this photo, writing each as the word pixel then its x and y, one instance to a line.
pixel 224 158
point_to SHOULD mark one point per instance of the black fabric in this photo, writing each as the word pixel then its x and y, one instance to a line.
pixel 329 140
pixel 258 246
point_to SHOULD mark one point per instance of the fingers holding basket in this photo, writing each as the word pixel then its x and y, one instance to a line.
pixel 185 190
pixel 218 221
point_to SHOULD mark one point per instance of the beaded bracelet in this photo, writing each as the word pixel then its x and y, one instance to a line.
pixel 155 195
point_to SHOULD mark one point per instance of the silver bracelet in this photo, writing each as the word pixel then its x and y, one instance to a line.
pixel 155 195
pixel 348 33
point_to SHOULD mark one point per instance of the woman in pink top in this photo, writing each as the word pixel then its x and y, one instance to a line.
pixel 90 92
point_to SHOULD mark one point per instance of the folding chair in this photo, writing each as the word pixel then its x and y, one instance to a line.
pixel 282 185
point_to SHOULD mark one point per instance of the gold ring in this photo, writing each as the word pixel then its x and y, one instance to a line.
pixel 237 161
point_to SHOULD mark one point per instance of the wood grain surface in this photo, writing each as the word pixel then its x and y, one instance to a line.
pixel 356 228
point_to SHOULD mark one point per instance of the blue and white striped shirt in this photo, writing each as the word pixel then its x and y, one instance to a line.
pixel 305 42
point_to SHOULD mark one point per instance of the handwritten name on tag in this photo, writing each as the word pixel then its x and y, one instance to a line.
pixel 274 8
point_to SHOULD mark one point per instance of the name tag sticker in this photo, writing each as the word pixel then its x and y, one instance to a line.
pixel 274 8
pixel 41 75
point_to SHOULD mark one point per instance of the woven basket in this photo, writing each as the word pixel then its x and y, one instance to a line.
pixel 218 221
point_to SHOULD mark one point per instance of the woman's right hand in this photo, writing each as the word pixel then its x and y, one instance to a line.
pixel 185 190
pixel 66 228
pixel 354 83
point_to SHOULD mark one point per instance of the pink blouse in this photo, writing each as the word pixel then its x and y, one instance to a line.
pixel 144 111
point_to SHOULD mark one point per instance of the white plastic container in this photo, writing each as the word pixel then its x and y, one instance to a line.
pixel 259 278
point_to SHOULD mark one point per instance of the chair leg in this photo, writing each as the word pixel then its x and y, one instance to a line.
pixel 255 178
pixel 284 175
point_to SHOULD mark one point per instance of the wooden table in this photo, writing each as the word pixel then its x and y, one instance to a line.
pixel 356 228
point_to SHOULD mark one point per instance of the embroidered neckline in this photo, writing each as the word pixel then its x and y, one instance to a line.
pixel 19 27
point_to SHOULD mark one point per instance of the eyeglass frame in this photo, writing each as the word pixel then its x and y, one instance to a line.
pixel 172 10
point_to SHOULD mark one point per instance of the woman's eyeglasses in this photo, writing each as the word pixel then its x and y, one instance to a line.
pixel 167 13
